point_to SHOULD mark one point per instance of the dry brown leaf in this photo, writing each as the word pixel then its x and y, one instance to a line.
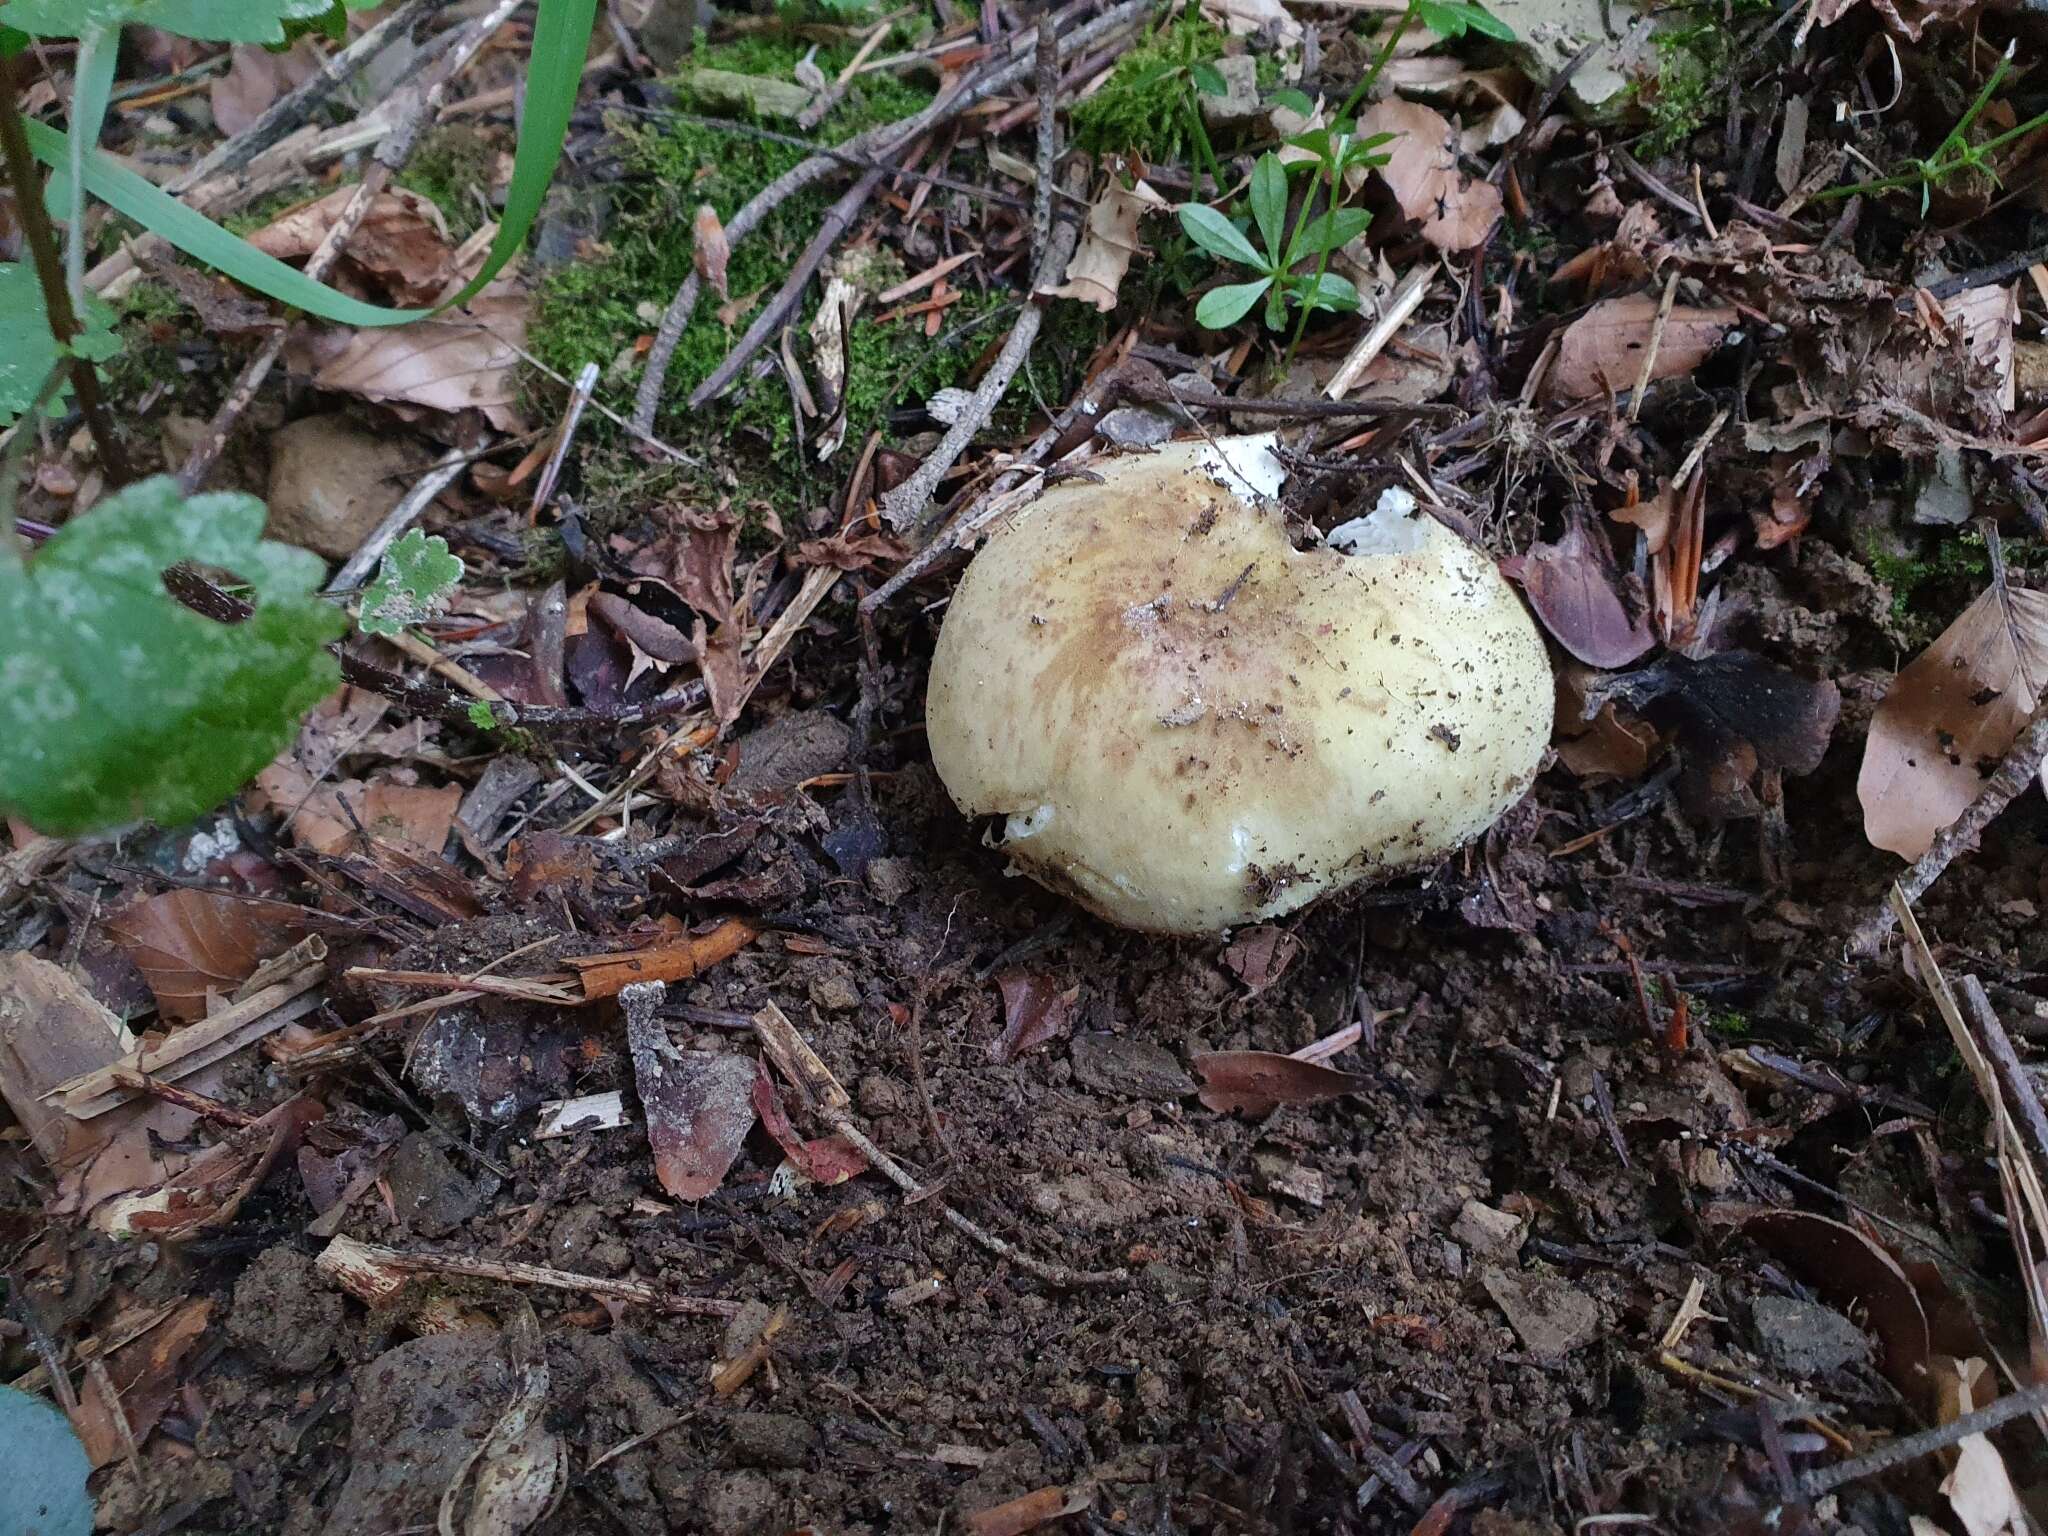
pixel 1454 210
pixel 466 359
pixel 402 244
pixel 194 945
pixel 324 817
pixel 144 1375
pixel 1036 1010
pixel 699 1107
pixel 710 251
pixel 1986 317
pixel 1603 349
pixel 1108 243
pixel 1256 1082
pixel 1259 956
pixel 1950 718
pixel 826 1160
pixel 1852 1271
pixel 1577 591
pixel 255 78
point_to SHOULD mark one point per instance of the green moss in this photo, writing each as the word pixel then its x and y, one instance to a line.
pixel 1149 106
pixel 1692 61
pixel 151 322
pixel 452 169
pixel 1929 591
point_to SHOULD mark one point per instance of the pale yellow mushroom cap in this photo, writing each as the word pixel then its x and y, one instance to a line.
pixel 1190 724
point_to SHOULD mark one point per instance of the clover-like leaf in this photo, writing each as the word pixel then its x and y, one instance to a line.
pixel 116 702
pixel 225 21
pixel 413 584
pixel 28 351
pixel 1269 203
pixel 1218 236
pixel 1227 305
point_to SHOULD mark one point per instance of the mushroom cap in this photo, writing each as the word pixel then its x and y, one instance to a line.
pixel 1190 724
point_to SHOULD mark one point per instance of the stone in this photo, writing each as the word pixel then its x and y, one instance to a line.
pixel 769 1439
pixel 1805 1338
pixel 1552 1317
pixel 1487 1232
pixel 788 750
pixel 331 482
pixel 890 880
pixel 430 1195
pixel 1240 100
pixel 421 1410
pixel 739 1504
pixel 831 988
pixel 1137 1068
pixel 285 1315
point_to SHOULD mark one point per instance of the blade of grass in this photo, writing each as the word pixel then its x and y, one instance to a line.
pixel 92 86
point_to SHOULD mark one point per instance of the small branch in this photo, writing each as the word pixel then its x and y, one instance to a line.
pixel 2022 766
pixel 1818 1484
pixel 391 156
pixel 1048 141
pixel 373 1272
pixel 42 244
pixel 878 142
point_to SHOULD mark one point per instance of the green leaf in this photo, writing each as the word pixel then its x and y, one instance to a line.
pixel 1329 292
pixel 28 351
pixel 1227 305
pixel 90 94
pixel 1293 101
pixel 1276 308
pixel 1218 236
pixel 1442 17
pixel 482 716
pixel 1208 80
pixel 117 702
pixel 222 21
pixel 413 584
pixel 1484 22
pixel 1329 231
pixel 1269 204
pixel 42 1469
pixel 561 41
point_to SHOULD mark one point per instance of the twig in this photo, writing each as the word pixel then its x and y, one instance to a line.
pixel 1406 298
pixel 401 517
pixel 1048 144
pixel 356 1267
pixel 579 399
pixel 904 506
pixel 42 244
pixel 878 142
pixel 390 158
pixel 778 309
pixel 2020 1093
pixel 1825 1480
pixel 2021 767
pixel 1635 404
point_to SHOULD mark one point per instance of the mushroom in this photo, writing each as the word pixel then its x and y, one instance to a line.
pixel 1187 723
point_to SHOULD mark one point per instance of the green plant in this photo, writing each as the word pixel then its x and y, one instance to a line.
pixel 414 582
pixel 1955 155
pixel 1278 283
pixel 1151 103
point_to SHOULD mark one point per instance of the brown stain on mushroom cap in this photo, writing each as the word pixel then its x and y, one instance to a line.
pixel 1197 724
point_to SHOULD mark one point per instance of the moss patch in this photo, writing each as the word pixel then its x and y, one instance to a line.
pixel 1149 105
pixel 452 169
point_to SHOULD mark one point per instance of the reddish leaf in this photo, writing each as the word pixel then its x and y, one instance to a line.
pixel 1260 956
pixel 1852 1272
pixel 1256 1082
pixel 1035 1011
pixel 1575 588
pixel 828 1160
pixel 699 1107
pixel 192 945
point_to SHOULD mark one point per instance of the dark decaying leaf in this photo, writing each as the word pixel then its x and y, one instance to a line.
pixel 145 1376
pixel 699 1107
pixel 1579 593
pixel 826 1160
pixel 1851 1272
pixel 1035 1010
pixel 1257 1082
pixel 541 861
pixel 1736 714
pixel 1260 956
pixel 192 945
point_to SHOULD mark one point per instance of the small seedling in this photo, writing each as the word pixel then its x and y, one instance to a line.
pixel 415 582
pixel 1278 284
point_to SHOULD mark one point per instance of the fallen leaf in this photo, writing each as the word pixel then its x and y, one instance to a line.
pixel 402 245
pixel 709 251
pixel 1256 1082
pixel 1576 589
pixel 608 975
pixel 1039 1507
pixel 1611 744
pixel 463 359
pixel 1603 349
pixel 1260 956
pixel 1036 1010
pixel 827 1160
pixel 195 945
pixel 324 817
pixel 1454 210
pixel 541 861
pixel 1986 317
pixel 699 1107
pixel 1951 716
pixel 1851 1272
pixel 144 1374
pixel 1108 242
pixel 255 78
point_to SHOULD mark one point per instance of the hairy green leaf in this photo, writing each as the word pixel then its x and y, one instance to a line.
pixel 1269 204
pixel 1218 236
pixel 414 583
pixel 116 702
pixel 27 350
pixel 1227 305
